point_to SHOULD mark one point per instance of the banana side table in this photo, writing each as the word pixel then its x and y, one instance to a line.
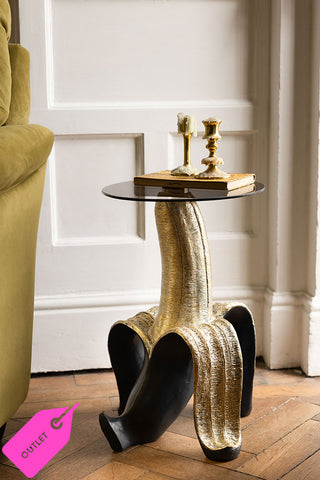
pixel 187 344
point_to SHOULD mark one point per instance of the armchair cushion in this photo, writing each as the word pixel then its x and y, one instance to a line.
pixel 5 69
pixel 20 90
pixel 23 149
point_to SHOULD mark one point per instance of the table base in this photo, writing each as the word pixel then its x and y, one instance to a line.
pixel 187 344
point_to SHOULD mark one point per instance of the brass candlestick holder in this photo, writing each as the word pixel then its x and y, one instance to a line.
pixel 187 125
pixel 212 135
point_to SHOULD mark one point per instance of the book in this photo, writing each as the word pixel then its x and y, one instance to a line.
pixel 165 179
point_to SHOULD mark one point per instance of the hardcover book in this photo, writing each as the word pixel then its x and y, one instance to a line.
pixel 165 179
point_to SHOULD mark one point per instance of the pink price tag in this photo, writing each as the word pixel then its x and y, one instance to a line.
pixel 39 440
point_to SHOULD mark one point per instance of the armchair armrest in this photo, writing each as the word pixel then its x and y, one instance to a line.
pixel 23 149
pixel 20 89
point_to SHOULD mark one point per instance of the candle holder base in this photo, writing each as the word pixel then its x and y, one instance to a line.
pixel 188 170
pixel 213 171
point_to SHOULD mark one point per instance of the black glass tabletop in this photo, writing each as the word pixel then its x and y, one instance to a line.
pixel 129 191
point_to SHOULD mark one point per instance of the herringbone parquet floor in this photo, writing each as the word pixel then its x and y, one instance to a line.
pixel 280 439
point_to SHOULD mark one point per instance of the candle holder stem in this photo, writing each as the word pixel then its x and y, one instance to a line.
pixel 212 135
pixel 187 127
pixel 186 143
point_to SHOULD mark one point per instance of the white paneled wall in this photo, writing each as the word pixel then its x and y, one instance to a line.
pixel 81 214
pixel 154 51
pixel 108 77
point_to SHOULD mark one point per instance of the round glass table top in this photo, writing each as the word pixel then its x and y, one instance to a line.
pixel 129 191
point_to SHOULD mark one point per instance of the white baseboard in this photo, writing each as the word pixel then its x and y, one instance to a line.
pixel 74 338
pixel 71 331
pixel 292 331
pixel 282 332
pixel 310 336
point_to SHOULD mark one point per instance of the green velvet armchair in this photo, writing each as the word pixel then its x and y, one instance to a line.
pixel 24 150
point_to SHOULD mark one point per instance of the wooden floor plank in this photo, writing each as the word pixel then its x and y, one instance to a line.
pixel 190 448
pixel 188 410
pixel 316 417
pixel 8 473
pixel 259 379
pixel 183 426
pixel 86 405
pixel 51 382
pixel 155 476
pixel 95 378
pixel 12 427
pixel 82 434
pixel 261 407
pixel 286 376
pixel 301 389
pixel 72 393
pixel 114 401
pixel 283 455
pixel 275 425
pixel 80 464
pixel 175 466
pixel 278 436
pixel 315 399
pixel 307 470
pixel 116 471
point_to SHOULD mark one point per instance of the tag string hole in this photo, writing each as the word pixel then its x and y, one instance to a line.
pixel 54 424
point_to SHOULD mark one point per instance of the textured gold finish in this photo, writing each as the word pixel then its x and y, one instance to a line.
pixel 186 272
pixel 186 126
pixel 186 308
pixel 212 135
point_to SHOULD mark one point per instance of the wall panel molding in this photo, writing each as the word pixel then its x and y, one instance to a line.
pixel 97 119
pixel 126 34
pixel 79 188
pixel 71 85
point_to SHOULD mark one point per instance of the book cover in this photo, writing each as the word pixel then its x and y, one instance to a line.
pixel 165 179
